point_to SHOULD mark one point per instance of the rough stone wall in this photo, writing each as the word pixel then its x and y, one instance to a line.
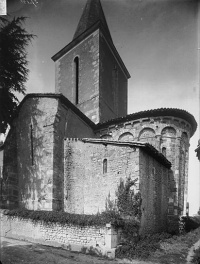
pixel 71 237
pixel 167 134
pixel 35 140
pixel 87 52
pixel 154 190
pixel 75 127
pixel 67 124
pixel 86 186
pixel 113 84
pixel 34 150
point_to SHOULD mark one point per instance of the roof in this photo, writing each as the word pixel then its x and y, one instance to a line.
pixel 160 112
pixel 92 13
pixel 145 146
pixel 63 99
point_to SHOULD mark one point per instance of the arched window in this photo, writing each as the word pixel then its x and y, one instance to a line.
pixel 164 151
pixel 76 79
pixel 105 166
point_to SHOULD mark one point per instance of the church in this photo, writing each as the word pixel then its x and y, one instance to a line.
pixel 70 149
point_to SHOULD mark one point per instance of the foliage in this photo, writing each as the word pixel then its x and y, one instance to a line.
pixel 198 212
pixel 190 223
pixel 196 257
pixel 13 68
pixel 128 203
pixel 67 218
pixel 143 248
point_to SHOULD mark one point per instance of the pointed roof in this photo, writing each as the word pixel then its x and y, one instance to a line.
pixel 92 14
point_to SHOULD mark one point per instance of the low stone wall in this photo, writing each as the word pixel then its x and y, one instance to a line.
pixel 101 240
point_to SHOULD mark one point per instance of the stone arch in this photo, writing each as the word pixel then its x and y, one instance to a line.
pixel 168 132
pixel 106 136
pixel 147 135
pixel 168 139
pixel 184 137
pixel 127 136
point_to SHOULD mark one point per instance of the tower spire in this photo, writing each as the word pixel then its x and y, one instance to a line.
pixel 92 14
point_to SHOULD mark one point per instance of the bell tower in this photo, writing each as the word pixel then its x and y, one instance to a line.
pixel 89 70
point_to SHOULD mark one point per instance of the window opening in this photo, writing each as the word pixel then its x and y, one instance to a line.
pixel 164 151
pixel 31 138
pixel 105 166
pixel 76 79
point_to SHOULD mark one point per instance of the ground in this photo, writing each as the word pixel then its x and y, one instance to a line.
pixel 173 250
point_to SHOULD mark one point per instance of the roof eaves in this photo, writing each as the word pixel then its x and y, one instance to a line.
pixel 146 146
pixel 160 112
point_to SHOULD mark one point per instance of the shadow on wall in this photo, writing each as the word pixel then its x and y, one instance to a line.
pixel 29 179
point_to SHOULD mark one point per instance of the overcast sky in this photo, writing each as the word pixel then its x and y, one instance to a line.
pixel 157 40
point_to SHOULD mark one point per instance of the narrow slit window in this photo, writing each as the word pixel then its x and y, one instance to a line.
pixel 31 138
pixel 105 166
pixel 76 79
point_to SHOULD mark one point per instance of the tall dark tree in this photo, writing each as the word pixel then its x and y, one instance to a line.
pixel 14 40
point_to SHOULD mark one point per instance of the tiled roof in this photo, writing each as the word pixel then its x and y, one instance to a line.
pixel 160 112
pixel 145 146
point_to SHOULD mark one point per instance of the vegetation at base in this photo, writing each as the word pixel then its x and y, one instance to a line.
pixel 143 248
pixel 48 217
pixel 190 222
pixel 196 257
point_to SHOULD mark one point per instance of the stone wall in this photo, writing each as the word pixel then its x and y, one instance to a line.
pixel 34 149
pixel 113 84
pixel 87 53
pixel 168 135
pixel 101 240
pixel 154 187
pixel 86 186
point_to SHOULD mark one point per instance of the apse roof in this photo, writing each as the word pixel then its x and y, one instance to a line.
pixel 160 112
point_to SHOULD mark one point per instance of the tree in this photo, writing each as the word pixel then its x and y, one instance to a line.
pixel 13 67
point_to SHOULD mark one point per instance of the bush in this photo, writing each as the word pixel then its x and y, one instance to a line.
pixel 143 248
pixel 190 223
pixel 196 257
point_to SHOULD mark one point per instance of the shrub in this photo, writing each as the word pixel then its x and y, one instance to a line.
pixel 190 223
pixel 143 248
pixel 196 257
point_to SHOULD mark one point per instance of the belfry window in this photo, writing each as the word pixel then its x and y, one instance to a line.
pixel 76 79
pixel 105 166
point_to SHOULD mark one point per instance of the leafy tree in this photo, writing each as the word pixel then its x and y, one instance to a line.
pixel 198 212
pixel 13 67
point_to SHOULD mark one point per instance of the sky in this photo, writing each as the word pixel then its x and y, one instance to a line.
pixel 156 39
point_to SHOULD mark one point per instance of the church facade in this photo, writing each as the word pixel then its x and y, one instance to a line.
pixel 70 150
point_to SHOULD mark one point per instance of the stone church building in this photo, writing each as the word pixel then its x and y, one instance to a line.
pixel 69 150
